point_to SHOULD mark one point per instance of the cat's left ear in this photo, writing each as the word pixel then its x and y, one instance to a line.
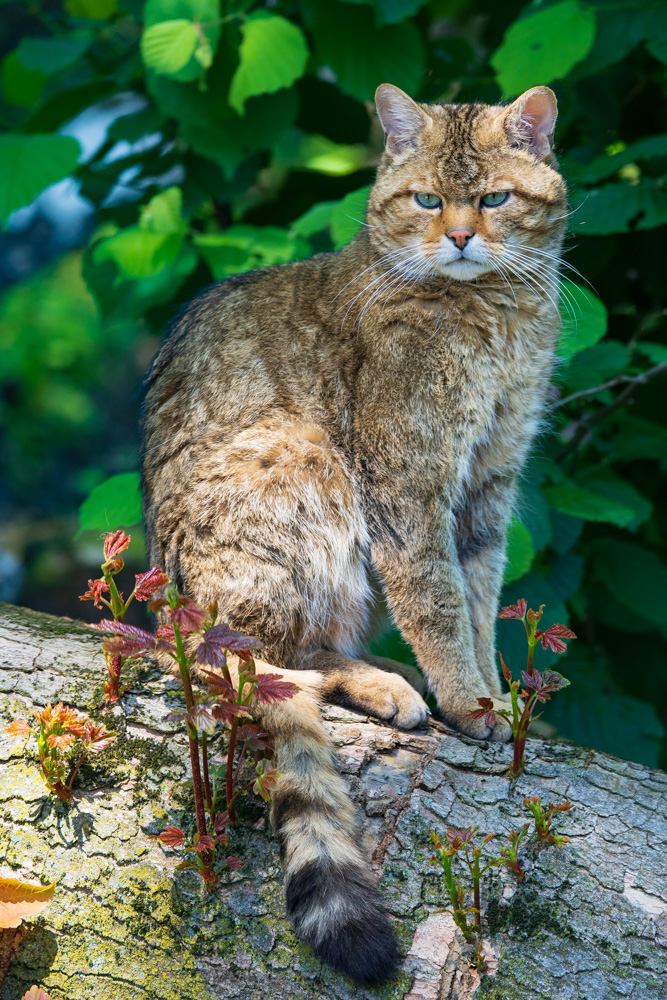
pixel 402 118
pixel 531 119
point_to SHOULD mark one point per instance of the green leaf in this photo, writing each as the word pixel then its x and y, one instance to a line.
pixel 635 438
pixel 363 56
pixel 595 365
pixel 592 715
pixel 115 503
pixel 655 30
pixel 20 86
pixel 602 481
pixel 391 11
pixel 604 166
pixel 534 513
pixel 520 551
pixel 656 353
pixel 316 219
pixel 206 17
pixel 95 10
pixel 139 253
pixel 169 46
pixel 583 503
pixel 635 576
pixel 243 248
pixel 162 214
pixel 30 163
pixel 566 573
pixel 616 208
pixel 295 150
pixel 273 54
pixel 584 319
pixel 543 46
pixel 349 215
pixel 210 126
pixel 617 33
pixel 48 55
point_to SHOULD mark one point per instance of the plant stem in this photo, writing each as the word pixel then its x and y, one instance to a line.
pixel 477 902
pixel 207 782
pixel 184 670
pixel 76 769
pixel 519 749
pixel 197 783
pixel 230 777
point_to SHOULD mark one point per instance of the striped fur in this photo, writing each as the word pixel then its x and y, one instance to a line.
pixel 350 428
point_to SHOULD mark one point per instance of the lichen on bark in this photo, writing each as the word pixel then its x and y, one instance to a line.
pixel 589 922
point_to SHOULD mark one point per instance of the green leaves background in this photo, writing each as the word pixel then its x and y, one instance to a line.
pixel 250 141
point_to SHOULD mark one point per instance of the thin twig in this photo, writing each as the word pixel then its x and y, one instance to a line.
pixel 585 424
pixel 618 380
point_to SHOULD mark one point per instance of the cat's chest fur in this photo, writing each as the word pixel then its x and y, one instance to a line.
pixel 454 385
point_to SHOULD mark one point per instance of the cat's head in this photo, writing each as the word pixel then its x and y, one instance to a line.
pixel 467 189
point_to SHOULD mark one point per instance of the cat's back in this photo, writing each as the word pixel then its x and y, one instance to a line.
pixel 247 346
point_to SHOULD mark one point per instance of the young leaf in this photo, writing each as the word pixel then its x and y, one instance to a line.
pixel 172 836
pixel 22 899
pixel 517 610
pixel 148 583
pixel 115 501
pixel 218 639
pixel 18 728
pixel 272 687
pixel 168 46
pixel 553 637
pixel 188 616
pixel 273 54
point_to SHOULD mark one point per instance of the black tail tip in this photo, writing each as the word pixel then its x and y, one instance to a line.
pixel 368 954
pixel 337 910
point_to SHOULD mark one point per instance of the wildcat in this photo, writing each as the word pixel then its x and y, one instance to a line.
pixel 357 421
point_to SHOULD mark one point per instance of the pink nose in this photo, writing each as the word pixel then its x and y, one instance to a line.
pixel 460 236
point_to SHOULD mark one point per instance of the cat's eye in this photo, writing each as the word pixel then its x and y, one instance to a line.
pixel 428 200
pixel 495 198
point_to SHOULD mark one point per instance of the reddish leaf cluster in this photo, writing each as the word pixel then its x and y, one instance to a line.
pixel 517 610
pixel 553 637
pixel 543 684
pixel 219 639
pixel 458 837
pixel 485 712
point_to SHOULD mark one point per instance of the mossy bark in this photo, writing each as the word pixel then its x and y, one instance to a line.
pixel 588 922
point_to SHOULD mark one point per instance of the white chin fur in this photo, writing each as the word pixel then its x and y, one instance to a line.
pixel 462 269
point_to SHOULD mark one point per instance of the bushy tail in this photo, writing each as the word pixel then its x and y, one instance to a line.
pixel 331 897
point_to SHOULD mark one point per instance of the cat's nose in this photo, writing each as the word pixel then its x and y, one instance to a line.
pixel 460 236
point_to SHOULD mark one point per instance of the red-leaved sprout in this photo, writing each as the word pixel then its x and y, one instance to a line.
pixel 57 731
pixel 190 635
pixel 537 687
pixel 145 587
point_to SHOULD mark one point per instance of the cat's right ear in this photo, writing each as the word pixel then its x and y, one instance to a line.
pixel 402 119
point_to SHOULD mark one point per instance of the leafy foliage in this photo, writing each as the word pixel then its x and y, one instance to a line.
pixel 242 138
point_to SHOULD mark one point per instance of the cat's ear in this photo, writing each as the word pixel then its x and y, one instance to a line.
pixel 402 119
pixel 531 119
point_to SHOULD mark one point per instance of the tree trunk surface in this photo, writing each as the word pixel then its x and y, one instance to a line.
pixel 588 922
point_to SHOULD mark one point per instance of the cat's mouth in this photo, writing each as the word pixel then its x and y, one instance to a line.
pixel 463 268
